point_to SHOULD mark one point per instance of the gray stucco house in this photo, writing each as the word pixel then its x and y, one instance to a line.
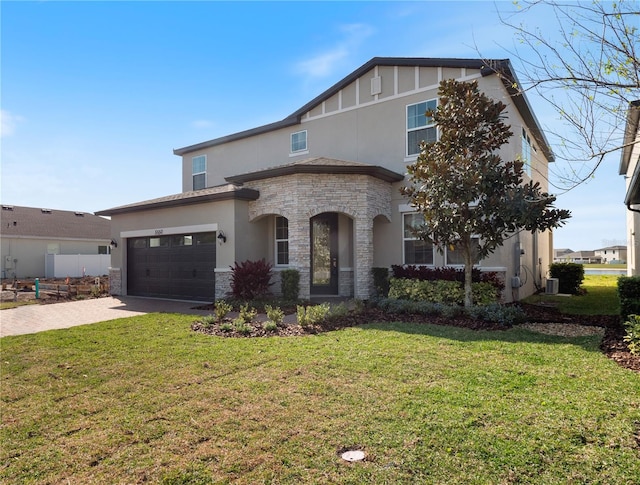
pixel 319 191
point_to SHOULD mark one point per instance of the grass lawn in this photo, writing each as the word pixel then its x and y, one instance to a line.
pixel 146 399
pixel 600 298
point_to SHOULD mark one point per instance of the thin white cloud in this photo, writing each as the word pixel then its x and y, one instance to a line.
pixel 326 63
pixel 202 124
pixel 8 123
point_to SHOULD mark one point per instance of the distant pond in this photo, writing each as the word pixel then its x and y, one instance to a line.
pixel 604 271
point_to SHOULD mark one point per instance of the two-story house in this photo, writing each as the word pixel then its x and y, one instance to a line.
pixel 319 191
pixel 630 168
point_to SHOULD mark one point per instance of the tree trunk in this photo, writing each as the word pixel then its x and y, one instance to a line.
pixel 468 272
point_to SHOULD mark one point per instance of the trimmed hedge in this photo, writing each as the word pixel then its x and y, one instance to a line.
pixel 290 284
pixel 381 281
pixel 629 294
pixel 441 291
pixel 570 277
pixel 447 273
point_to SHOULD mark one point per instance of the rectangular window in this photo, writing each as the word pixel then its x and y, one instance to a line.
pixel 420 127
pixel 299 141
pixel 416 250
pixel 282 241
pixel 104 250
pixel 199 172
pixel 455 257
pixel 526 152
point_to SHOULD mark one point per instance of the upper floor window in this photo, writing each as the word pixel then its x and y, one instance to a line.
pixel 526 152
pixel 420 127
pixel 416 250
pixel 282 241
pixel 299 141
pixel 199 172
pixel 455 256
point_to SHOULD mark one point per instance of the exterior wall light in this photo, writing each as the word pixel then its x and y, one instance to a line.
pixel 113 243
pixel 221 237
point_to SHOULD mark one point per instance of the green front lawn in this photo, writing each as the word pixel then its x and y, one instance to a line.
pixel 147 399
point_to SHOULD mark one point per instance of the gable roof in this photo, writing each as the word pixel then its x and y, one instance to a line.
pixel 221 192
pixel 319 165
pixel 18 221
pixel 487 67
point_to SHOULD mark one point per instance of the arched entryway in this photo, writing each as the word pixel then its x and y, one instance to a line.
pixel 324 256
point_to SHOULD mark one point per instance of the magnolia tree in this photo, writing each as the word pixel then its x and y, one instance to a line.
pixel 470 198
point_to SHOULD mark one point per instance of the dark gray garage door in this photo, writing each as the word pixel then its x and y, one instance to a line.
pixel 177 266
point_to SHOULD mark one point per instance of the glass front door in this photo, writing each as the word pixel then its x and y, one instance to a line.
pixel 324 254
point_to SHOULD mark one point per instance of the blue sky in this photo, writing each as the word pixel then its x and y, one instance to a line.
pixel 96 95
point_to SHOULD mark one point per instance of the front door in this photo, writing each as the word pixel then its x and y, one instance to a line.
pixel 324 254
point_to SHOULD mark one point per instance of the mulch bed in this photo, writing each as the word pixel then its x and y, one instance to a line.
pixel 612 344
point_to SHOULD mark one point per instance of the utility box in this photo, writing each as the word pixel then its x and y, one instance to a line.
pixel 8 262
pixel 553 284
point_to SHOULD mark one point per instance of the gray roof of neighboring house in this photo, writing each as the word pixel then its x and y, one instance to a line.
pixel 617 248
pixel 221 192
pixel 319 165
pixel 18 221
pixel 501 67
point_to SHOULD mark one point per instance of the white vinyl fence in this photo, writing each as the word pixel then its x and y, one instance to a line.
pixel 76 265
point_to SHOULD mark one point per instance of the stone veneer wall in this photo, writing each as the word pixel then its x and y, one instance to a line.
pixel 115 281
pixel 299 197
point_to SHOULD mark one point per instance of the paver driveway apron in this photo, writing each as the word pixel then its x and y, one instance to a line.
pixel 38 318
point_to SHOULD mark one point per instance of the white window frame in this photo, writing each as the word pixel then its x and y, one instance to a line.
pixel 446 256
pixel 413 238
pixel 202 172
pixel 298 151
pixel 280 240
pixel 429 123
pixel 527 148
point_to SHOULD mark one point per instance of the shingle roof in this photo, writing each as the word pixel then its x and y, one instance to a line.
pixel 319 165
pixel 220 192
pixel 21 221
pixel 500 67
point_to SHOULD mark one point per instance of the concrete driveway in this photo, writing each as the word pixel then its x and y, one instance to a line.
pixel 38 318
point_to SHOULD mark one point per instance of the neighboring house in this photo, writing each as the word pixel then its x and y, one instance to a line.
pixel 580 257
pixel 630 168
pixel 29 234
pixel 319 191
pixel 612 254
pixel 559 254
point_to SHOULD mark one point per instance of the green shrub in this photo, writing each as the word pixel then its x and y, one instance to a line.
pixel 226 327
pixel 208 320
pixel 270 326
pixel 381 281
pixel 629 294
pixel 221 309
pixel 251 279
pixel 247 314
pixel 570 277
pixel 241 326
pixel 494 312
pixel 440 291
pixel 309 316
pixel 632 337
pixel 275 315
pixel 290 284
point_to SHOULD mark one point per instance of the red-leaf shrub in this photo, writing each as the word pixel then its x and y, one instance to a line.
pixel 251 279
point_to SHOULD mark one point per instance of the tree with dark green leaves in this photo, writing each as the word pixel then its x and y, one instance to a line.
pixel 470 198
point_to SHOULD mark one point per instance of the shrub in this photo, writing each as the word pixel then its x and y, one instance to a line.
pixel 241 326
pixel 290 284
pixel 494 312
pixel 251 279
pixel 447 273
pixel 440 291
pixel 270 326
pixel 380 281
pixel 309 316
pixel 629 294
pixel 275 315
pixel 632 337
pixel 226 327
pixel 570 276
pixel 247 314
pixel 221 308
pixel 208 320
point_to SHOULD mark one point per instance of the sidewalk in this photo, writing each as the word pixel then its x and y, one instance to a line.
pixel 38 318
